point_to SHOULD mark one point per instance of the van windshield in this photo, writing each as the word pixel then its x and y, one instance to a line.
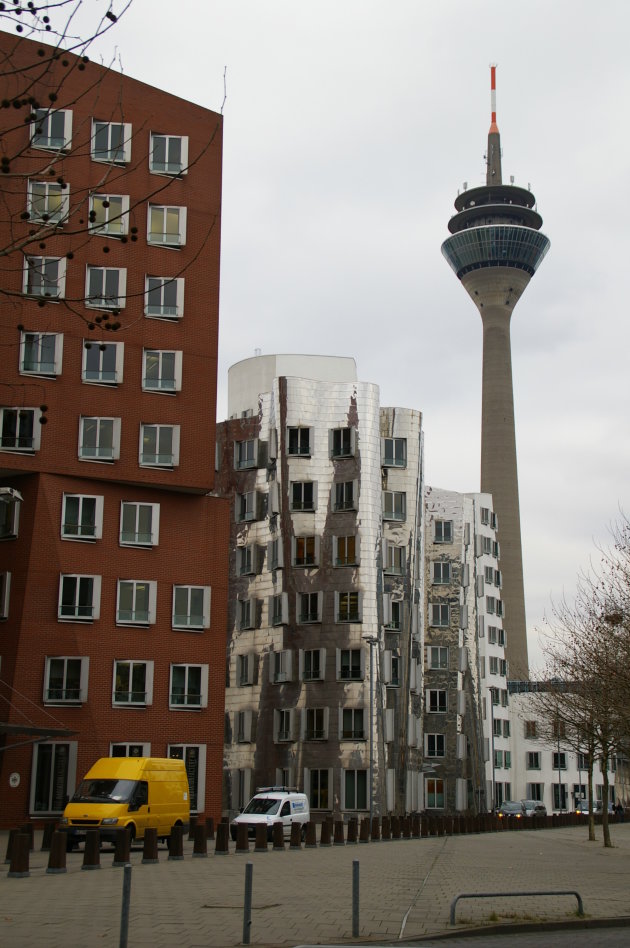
pixel 104 791
pixel 262 805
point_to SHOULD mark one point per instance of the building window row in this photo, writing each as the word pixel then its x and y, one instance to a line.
pixel 303 498
pixel 309 609
pixel 314 724
pixel 342 443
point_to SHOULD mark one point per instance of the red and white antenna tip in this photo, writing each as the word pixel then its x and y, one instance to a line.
pixel 493 100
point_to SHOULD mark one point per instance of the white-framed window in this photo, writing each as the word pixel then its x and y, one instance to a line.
pixel 194 757
pixel 246 557
pixel 66 680
pixel 283 727
pixel 346 550
pixel 243 726
pixel 394 505
pixel 278 609
pixel 189 687
pixel 348 606
pixel 169 154
pixel 342 442
pixel 394 452
pixel 249 505
pixel 53 776
pixel 162 370
pixel 318 785
pixel 10 504
pixel 159 445
pixel 246 454
pixel 133 682
pixel 394 558
pixel 52 129
pixel 129 749
pixel 275 554
pixel 166 225
pixel 246 669
pixel 437 657
pixel 164 297
pixel 111 141
pixel 354 789
pixel 345 495
pixel 532 760
pixel 559 760
pixel 393 610
pixel 191 607
pixel 139 524
pixel 136 602
pixel 79 598
pixel 442 572
pixel 48 202
pixel 5 594
pixel 246 613
pixel 303 495
pixel 435 745
pixel 312 664
pixel 493 665
pixel 281 666
pixel 109 214
pixel 44 277
pixel 103 362
pixel 105 287
pixel 309 607
pixel 305 551
pixel 443 531
pixel 391 665
pixel 350 664
pixel 434 793
pixel 352 724
pixel 440 614
pixel 315 724
pixel 498 759
pixel 82 517
pixel 299 441
pixel 99 439
pixel 437 700
pixel 41 353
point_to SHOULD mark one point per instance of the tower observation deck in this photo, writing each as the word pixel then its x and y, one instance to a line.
pixel 495 248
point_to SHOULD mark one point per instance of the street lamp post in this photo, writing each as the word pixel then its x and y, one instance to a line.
pixel 372 640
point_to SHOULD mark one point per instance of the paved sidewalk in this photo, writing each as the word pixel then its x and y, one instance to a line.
pixel 406 888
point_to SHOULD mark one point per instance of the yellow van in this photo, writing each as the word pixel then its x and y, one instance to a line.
pixel 135 792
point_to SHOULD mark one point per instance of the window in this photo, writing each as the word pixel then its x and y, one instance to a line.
pixel 109 214
pixel 507 758
pixel 41 353
pixel 5 591
pixel 283 724
pixel 350 665
pixel 355 790
pixel 103 362
pixel 299 442
pixel 443 531
pixel 559 796
pixel 346 551
pixel 305 551
pixel 79 598
pixel 394 559
pixel 136 602
pixel 245 669
pixel 532 760
pixel 494 696
pixel 342 442
pixel 246 506
pixel 506 729
pixel 437 700
pixel 278 609
pixel 348 607
pixel 559 760
pixel 129 750
pixel 440 614
pixel 582 760
pixel 164 297
pixel 501 636
pixel 10 503
pixel 345 496
pixel 105 287
pixel 246 560
pixel 393 614
pixel 274 554
pixel 484 516
pixel 281 666
pixel 559 730
pixel 65 680
pixel 313 662
pixel 394 505
pixel 352 724
pixel 48 201
pixel 437 656
pixel 319 783
pixel 139 524
pixel 52 130
pixel 167 226
pixel 435 745
pixel 394 675
pixel 44 277
pixel 53 776
pixel 492 635
pixel 99 439
pixel 303 495
pixel 394 452
pixel 194 757
pixel 243 722
pixel 498 758
pixel 191 607
pixel 441 572
pixel 111 141
pixel 169 154
pixel 309 607
pixel 246 454
pixel 493 665
pixel 81 517
pixel 246 613
pixel 496 727
pixel 133 683
pixel 434 793
pixel 315 724
pixel 159 445
pixel 189 686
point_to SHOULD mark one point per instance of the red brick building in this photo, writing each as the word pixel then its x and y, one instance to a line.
pixel 113 560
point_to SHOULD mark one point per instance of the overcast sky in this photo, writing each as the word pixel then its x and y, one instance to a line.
pixel 349 128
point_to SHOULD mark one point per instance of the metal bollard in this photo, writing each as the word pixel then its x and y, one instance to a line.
pixel 92 851
pixel 192 823
pixel 29 830
pixel 353 829
pixel 339 838
pixel 124 912
pixel 355 898
pixel 176 842
pixel 386 828
pixel 278 837
pixel 122 848
pixel 49 828
pixel 242 838
pixel 57 856
pixel 364 830
pixel 311 835
pixel 221 846
pixel 260 846
pixel 210 827
pixel 324 836
pixel 12 834
pixel 200 846
pixel 296 836
pixel 375 831
pixel 247 903
pixel 150 847
pixel 19 856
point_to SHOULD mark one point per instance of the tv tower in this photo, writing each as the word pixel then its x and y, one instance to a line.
pixel 495 250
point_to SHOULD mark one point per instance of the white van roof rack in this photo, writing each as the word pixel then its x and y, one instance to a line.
pixel 276 789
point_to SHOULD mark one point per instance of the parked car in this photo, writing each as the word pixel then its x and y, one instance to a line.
pixel 273 805
pixel 511 810
pixel 534 808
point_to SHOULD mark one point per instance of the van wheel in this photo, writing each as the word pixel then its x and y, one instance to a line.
pixel 132 832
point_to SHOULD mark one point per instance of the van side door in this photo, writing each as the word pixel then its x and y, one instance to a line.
pixel 285 816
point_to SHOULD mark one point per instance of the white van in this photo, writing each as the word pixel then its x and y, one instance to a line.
pixel 273 805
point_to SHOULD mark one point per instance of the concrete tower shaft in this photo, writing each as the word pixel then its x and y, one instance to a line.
pixel 495 248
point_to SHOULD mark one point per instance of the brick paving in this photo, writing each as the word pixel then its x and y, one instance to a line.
pixel 406 888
